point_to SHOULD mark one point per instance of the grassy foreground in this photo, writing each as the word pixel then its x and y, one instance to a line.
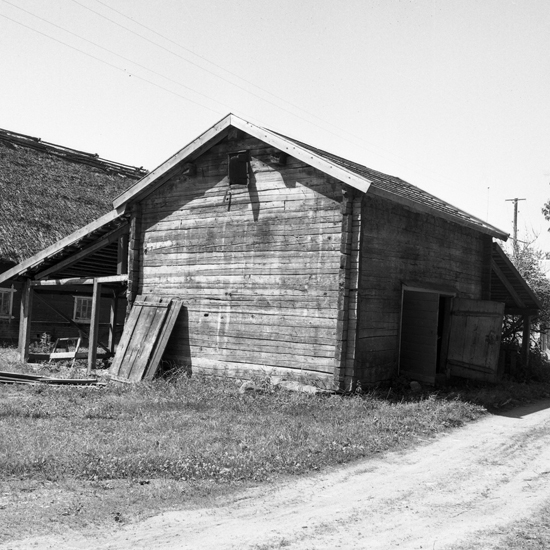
pixel 72 457
pixel 203 429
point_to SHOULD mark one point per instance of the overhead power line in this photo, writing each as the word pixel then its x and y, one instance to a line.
pixel 246 90
pixel 213 63
pixel 356 138
pixel 108 63
pixel 117 54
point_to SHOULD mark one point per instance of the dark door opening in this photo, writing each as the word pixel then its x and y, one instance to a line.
pixel 420 328
pixel 425 325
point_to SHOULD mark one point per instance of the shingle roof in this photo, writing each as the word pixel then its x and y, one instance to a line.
pixel 398 188
pixel 47 191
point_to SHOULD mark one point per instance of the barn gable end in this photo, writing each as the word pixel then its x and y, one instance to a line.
pixel 258 267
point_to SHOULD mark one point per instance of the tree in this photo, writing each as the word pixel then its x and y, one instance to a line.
pixel 527 259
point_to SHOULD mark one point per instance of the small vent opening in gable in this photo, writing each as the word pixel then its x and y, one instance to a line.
pixel 238 168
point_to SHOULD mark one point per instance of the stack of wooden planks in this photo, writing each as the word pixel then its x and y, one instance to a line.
pixel 24 378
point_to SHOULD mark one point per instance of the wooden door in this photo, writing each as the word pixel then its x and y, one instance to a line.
pixel 474 339
pixel 144 339
pixel 418 349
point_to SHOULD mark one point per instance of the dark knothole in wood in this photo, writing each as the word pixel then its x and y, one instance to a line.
pixel 279 158
pixel 238 168
pixel 189 169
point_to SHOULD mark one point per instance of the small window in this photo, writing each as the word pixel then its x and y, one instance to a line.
pixel 238 168
pixel 6 303
pixel 82 309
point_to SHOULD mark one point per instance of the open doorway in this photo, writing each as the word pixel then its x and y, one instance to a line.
pixel 424 327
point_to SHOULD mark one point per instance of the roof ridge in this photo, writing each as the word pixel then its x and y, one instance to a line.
pixel 72 155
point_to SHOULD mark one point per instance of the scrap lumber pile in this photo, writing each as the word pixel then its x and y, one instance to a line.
pixel 23 378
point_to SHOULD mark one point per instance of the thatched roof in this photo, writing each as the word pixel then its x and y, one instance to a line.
pixel 48 191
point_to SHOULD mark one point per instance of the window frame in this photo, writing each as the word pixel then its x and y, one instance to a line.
pixel 7 292
pixel 77 307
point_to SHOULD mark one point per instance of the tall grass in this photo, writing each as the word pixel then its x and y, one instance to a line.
pixel 204 429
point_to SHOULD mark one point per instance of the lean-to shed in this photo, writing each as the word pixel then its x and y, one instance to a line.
pixel 47 192
pixel 289 260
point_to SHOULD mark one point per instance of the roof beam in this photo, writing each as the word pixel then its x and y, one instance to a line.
pixel 81 281
pixel 71 239
pixel 101 243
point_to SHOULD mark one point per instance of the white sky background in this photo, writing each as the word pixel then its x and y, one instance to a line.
pixel 450 95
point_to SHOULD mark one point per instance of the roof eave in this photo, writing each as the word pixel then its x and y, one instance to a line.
pixel 476 223
pixel 504 257
pixel 39 258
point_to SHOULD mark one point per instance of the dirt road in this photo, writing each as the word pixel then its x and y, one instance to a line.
pixel 483 476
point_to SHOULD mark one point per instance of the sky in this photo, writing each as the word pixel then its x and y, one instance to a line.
pixel 450 95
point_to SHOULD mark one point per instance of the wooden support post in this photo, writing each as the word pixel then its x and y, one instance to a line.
pixel 526 341
pixel 112 322
pixel 94 327
pixel 343 379
pixel 122 255
pixel 25 322
pixel 134 249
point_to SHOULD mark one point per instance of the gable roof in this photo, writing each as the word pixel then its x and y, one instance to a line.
pixel 358 176
pixel 47 191
pixel 351 173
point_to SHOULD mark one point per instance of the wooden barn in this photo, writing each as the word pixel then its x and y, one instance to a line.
pixel 47 192
pixel 284 259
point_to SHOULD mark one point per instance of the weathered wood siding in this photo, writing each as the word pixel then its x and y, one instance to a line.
pixel 258 268
pixel 399 247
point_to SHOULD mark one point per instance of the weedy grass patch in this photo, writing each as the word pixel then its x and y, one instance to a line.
pixel 202 428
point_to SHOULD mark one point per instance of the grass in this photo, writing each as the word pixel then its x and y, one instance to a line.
pixel 527 534
pixel 202 428
pixel 73 457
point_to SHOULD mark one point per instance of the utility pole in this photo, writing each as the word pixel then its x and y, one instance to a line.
pixel 515 241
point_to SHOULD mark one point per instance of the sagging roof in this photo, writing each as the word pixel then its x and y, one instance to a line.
pixel 48 191
pixel 358 176
pixel 509 287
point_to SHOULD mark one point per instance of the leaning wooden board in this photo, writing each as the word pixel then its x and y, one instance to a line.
pixel 144 339
pixel 160 344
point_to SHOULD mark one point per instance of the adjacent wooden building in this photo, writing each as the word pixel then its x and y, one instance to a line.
pixel 290 260
pixel 47 192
